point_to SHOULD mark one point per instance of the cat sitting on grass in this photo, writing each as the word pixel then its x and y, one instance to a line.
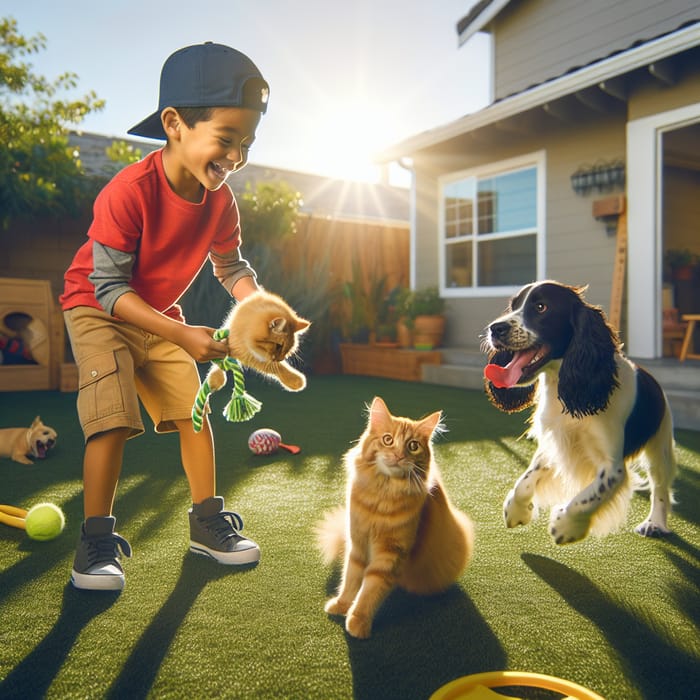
pixel 398 527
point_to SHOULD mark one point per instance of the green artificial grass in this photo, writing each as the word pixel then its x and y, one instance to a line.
pixel 618 615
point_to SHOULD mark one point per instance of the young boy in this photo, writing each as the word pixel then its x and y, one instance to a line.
pixel 154 225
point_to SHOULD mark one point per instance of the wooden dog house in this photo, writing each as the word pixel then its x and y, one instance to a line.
pixel 27 308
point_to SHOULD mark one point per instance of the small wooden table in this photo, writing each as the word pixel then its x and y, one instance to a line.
pixel 692 319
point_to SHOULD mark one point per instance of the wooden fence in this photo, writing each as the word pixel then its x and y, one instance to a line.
pixel 377 248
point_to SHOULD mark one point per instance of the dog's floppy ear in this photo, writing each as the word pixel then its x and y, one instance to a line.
pixel 508 400
pixel 588 374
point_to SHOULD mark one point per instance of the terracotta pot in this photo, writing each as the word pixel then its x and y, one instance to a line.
pixel 404 337
pixel 682 273
pixel 428 332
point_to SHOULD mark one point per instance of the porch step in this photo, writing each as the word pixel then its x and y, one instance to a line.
pixel 464 368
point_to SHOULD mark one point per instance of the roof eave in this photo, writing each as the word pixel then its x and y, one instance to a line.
pixel 483 19
pixel 593 74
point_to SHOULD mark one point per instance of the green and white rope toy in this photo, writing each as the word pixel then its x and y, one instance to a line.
pixel 242 405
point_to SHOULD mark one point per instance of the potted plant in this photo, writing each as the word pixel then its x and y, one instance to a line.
pixel 388 317
pixel 425 311
pixel 680 261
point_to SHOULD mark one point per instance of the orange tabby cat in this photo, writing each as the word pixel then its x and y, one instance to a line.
pixel 263 331
pixel 398 527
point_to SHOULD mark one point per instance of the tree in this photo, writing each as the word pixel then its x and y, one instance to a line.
pixel 40 172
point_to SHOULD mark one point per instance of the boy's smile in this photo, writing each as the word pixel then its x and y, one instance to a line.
pixel 203 156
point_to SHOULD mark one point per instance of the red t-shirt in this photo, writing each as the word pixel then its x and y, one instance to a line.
pixel 138 213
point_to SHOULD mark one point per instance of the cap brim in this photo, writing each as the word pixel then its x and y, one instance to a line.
pixel 151 128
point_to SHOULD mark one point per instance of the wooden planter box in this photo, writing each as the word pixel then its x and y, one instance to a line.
pixel 392 363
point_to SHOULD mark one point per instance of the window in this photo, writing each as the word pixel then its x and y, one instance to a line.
pixel 492 225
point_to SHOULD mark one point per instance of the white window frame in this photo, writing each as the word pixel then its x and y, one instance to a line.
pixel 538 160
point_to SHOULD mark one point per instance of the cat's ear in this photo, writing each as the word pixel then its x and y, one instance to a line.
pixel 430 424
pixel 277 325
pixel 301 324
pixel 379 414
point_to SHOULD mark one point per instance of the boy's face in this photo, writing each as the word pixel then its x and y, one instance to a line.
pixel 212 149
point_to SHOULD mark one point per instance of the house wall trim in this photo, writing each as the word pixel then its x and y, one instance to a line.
pixel 644 193
pixel 594 74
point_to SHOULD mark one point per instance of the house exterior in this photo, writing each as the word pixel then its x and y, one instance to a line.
pixel 605 91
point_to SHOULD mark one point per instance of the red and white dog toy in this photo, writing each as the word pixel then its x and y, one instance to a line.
pixel 266 441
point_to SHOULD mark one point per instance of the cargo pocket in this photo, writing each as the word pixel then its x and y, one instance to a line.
pixel 99 392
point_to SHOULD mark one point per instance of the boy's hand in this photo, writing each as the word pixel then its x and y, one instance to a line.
pixel 198 341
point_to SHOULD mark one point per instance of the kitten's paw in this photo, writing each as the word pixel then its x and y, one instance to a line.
pixel 334 606
pixel 566 527
pixel 517 512
pixel 295 383
pixel 358 626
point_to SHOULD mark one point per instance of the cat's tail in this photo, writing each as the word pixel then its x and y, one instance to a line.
pixel 330 534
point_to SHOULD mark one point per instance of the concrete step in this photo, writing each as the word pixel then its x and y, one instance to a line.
pixel 464 368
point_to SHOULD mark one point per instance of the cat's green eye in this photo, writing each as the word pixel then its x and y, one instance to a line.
pixel 413 446
pixel 387 439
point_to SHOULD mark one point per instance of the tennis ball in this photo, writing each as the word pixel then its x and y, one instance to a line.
pixel 44 521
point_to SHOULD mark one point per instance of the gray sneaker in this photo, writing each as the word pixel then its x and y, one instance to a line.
pixel 214 533
pixel 96 565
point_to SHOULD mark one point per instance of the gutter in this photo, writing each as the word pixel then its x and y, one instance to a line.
pixel 593 74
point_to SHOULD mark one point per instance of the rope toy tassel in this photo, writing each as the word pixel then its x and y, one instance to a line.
pixel 241 407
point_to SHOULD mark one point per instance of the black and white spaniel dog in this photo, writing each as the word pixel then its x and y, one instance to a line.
pixel 598 418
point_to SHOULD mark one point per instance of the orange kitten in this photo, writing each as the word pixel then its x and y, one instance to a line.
pixel 398 527
pixel 263 331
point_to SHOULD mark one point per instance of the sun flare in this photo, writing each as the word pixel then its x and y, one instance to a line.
pixel 348 137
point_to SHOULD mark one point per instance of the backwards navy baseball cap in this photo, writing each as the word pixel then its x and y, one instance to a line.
pixel 206 75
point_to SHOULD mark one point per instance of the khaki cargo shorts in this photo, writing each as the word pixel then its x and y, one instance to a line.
pixel 118 364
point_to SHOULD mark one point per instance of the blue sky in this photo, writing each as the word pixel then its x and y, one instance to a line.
pixel 346 78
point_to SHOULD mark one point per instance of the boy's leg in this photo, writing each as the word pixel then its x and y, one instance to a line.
pixel 96 564
pixel 109 413
pixel 102 465
pixel 197 453
pixel 214 531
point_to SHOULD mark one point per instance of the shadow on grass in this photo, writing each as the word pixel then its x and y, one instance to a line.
pixel 659 668
pixel 32 677
pixel 141 668
pixel 420 643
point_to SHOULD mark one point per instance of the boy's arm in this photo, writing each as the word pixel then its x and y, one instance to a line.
pixel 195 340
pixel 111 276
pixel 234 273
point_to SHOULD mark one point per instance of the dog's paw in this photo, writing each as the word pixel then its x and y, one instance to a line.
pixel 566 527
pixel 335 606
pixel 648 528
pixel 517 512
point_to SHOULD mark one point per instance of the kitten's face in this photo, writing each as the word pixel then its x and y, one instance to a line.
pixel 271 339
pixel 399 447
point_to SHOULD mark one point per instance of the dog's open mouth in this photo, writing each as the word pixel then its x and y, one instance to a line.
pixel 41 449
pixel 522 366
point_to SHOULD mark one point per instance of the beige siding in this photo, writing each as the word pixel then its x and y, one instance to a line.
pixel 536 40
pixel 578 249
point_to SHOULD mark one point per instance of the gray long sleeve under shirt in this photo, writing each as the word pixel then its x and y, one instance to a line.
pixel 112 272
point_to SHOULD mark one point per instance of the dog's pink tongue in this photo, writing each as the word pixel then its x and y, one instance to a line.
pixel 507 377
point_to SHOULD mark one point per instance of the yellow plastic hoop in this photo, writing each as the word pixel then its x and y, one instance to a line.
pixel 459 688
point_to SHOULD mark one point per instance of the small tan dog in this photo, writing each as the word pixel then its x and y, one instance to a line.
pixel 21 443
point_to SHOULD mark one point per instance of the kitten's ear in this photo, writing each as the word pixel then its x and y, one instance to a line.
pixel 430 424
pixel 277 325
pixel 378 413
pixel 301 324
